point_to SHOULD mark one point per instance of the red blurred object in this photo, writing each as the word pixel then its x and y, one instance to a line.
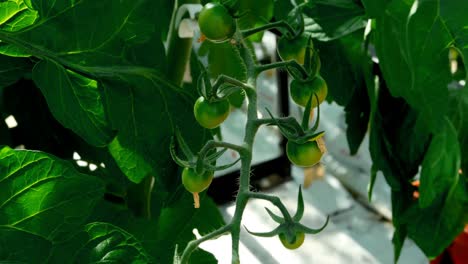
pixel 457 252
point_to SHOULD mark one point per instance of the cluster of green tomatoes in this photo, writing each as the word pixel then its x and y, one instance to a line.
pixel 217 24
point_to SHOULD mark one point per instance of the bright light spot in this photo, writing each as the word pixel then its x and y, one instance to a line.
pixel 20 147
pixel 11 122
pixel 462 82
pixel 76 156
pixel 92 167
pixel 102 165
pixel 259 114
pixel 82 163
pixel 196 233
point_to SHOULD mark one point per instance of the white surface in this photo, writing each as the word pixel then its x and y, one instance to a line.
pixel 353 236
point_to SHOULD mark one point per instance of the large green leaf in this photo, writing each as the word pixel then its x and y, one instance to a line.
pixel 100 243
pixel 394 125
pixel 389 42
pixel 45 196
pixel 346 67
pixel 412 41
pixel 117 45
pixel 434 228
pixel 15 15
pixel 18 246
pixel 440 165
pixel 427 45
pixel 332 19
pixel 74 100
pixel 458 114
pixel 145 112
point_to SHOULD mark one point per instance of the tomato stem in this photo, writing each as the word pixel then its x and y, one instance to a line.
pixel 283 64
pixel 279 24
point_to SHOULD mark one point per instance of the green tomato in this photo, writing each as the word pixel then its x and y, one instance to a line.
pixel 297 240
pixel 196 183
pixel 304 155
pixel 216 23
pixel 301 91
pixel 210 114
pixel 293 49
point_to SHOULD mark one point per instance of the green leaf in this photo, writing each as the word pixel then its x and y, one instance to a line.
pixel 456 23
pixel 125 54
pixel 398 240
pixel 146 112
pixel 19 246
pixel 100 243
pixel 46 196
pixel 347 69
pixel 177 222
pixel 12 69
pixel 74 100
pixel 442 221
pixel 458 114
pixel 440 165
pixel 343 64
pixel 427 45
pixel 332 19
pixel 375 8
pixel 357 118
pixel 15 15
pixel 394 125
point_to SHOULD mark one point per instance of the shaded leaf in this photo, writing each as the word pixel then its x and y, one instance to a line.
pixel 18 246
pixel 74 100
pixel 440 165
pixel 328 20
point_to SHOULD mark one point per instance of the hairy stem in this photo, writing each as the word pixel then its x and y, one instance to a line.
pixel 283 64
pixel 192 245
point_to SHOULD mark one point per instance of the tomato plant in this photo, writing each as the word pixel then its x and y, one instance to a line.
pixel 105 103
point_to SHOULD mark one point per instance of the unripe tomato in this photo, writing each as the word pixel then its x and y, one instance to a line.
pixel 216 23
pixel 297 240
pixel 293 49
pixel 196 183
pixel 301 91
pixel 210 114
pixel 304 155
